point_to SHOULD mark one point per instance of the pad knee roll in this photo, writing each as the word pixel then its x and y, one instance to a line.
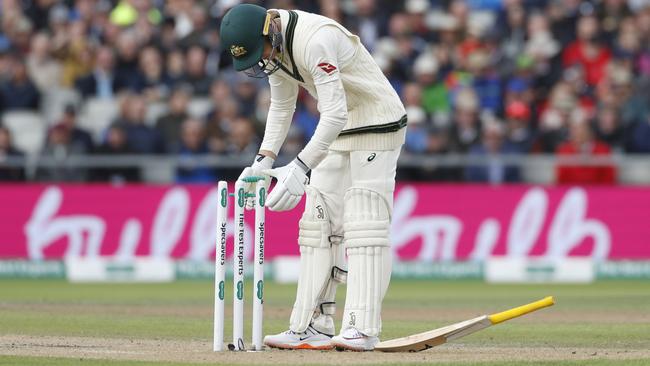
pixel 366 219
pixel 315 228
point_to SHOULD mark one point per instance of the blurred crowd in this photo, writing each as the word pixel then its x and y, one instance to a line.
pixel 478 77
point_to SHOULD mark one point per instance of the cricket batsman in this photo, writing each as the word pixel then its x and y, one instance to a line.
pixel 352 158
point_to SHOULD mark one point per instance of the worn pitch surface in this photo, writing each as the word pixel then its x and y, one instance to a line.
pixel 117 324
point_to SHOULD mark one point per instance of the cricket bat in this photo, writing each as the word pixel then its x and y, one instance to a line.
pixel 436 337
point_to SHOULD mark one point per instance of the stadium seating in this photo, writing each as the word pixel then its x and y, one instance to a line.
pixel 54 101
pixel 28 130
pixel 97 114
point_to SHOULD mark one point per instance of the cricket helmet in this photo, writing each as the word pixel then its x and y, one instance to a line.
pixel 244 30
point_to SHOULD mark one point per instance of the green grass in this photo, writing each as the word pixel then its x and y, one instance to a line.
pixel 608 314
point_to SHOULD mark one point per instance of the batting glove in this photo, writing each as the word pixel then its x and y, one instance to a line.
pixel 260 164
pixel 292 179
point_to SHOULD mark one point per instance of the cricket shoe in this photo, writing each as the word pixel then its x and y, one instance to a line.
pixel 353 340
pixel 309 339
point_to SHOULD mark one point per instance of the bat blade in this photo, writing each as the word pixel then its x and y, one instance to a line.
pixel 422 341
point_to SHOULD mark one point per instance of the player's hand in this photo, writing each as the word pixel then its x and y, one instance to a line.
pixel 286 194
pixel 260 164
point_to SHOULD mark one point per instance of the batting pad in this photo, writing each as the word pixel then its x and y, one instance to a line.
pixel 318 254
pixel 366 226
pixel 368 277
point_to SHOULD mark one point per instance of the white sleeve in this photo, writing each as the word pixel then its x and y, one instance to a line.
pixel 283 103
pixel 323 61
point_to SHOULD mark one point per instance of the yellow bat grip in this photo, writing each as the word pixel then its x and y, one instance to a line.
pixel 521 310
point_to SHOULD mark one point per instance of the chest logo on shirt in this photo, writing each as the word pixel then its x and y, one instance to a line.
pixel 327 67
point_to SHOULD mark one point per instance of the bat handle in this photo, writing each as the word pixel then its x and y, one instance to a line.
pixel 521 310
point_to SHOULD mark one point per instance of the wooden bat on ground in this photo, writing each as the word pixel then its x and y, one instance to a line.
pixel 436 337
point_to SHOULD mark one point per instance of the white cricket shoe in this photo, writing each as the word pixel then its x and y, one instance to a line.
pixel 309 339
pixel 353 340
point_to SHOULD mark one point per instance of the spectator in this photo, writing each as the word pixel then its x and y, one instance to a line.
pixel 102 82
pixel 609 129
pixel 367 22
pixel 417 11
pixel 19 29
pixel 513 31
pixel 554 119
pixel 193 145
pixel 640 137
pixel 519 135
pixel 126 65
pixel 165 39
pixel 581 143
pixel 196 74
pixel 58 149
pixel 331 9
pixel 542 49
pixel 141 138
pixel 5 63
pixel 574 79
pixel 79 137
pixel 70 43
pixel 518 89
pixel 8 151
pixel 617 91
pixel 19 92
pixel 564 17
pixel 41 66
pixel 242 139
pixel 175 67
pixel 151 79
pixel 434 93
pixel 82 10
pixel 169 125
pixel 588 51
pixel 485 82
pixel 246 95
pixel 417 133
pixel 495 171
pixel 412 95
pixel 115 145
pixel 465 129
pixel 406 46
pixel 198 35
pixel 613 14
pixel 38 13
pixel 219 92
pixel 224 117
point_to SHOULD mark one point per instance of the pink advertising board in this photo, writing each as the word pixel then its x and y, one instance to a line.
pixel 430 222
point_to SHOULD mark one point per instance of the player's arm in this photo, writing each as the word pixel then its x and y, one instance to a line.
pixel 323 67
pixel 283 104
pixel 323 61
